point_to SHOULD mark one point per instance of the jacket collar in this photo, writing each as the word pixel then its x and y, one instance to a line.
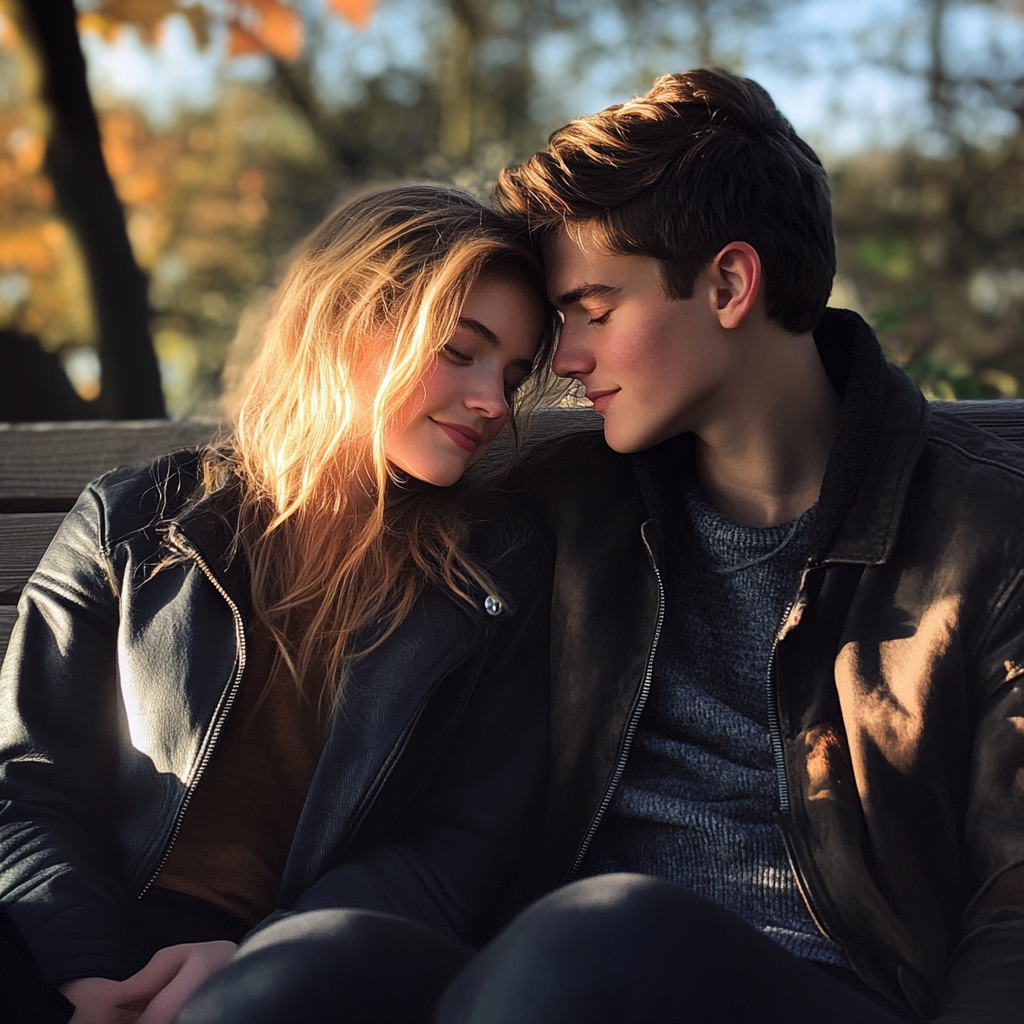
pixel 882 428
pixel 205 526
pixel 208 526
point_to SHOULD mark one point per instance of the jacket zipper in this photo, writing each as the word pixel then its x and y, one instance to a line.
pixel 774 726
pixel 775 732
pixel 634 720
pixel 188 549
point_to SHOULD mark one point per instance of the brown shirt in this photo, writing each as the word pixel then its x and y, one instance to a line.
pixel 238 828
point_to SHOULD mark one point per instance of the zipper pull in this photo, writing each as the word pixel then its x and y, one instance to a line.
pixel 793 616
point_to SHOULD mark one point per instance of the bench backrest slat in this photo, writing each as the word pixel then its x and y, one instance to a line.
pixel 1003 417
pixel 49 462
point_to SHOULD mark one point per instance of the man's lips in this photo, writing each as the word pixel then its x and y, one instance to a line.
pixel 465 437
pixel 601 399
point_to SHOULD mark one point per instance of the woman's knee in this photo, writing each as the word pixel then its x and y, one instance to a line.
pixel 305 967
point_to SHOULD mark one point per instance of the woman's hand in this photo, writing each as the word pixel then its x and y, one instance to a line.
pixel 164 985
pixel 97 1001
pixel 153 995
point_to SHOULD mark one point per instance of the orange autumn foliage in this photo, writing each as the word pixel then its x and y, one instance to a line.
pixel 254 26
pixel 266 25
pixel 358 12
pixel 27 249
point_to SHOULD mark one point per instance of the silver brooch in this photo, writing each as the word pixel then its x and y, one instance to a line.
pixel 492 605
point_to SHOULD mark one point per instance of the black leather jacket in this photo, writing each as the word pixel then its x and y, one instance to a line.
pixel 896 685
pixel 117 684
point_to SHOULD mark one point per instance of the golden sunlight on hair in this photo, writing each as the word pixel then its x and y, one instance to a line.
pixel 333 545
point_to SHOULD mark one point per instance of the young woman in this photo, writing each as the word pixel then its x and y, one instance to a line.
pixel 299 670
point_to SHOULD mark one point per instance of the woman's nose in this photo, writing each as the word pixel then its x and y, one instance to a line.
pixel 489 397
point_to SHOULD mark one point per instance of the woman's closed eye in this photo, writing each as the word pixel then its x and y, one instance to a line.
pixel 457 356
pixel 602 319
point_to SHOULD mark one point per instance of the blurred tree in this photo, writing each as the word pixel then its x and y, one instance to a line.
pixel 932 233
pixel 435 118
pixel 33 386
pixel 86 198
pixel 456 89
pixel 80 182
pixel 483 97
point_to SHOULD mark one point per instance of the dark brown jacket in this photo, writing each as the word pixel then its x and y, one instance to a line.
pixel 897 681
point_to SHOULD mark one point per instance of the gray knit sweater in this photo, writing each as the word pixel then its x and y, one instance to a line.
pixel 696 802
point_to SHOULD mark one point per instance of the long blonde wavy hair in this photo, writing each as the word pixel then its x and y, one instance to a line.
pixel 336 542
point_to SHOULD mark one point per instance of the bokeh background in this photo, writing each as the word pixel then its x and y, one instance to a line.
pixel 230 127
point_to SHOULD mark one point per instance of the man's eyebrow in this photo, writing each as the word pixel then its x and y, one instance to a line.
pixel 585 291
pixel 478 328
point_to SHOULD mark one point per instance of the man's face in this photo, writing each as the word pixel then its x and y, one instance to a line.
pixel 653 366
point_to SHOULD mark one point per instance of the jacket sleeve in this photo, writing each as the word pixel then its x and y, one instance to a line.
pixel 58 756
pixel 446 864
pixel 985 982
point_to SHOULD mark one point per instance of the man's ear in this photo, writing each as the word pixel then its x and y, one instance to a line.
pixel 736 273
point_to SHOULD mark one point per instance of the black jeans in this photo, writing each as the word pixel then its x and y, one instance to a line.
pixel 616 948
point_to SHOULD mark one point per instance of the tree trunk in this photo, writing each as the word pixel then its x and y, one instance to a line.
pixel 130 384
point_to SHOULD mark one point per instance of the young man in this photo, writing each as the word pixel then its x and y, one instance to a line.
pixel 789 614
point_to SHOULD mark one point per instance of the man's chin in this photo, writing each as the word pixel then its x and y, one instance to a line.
pixel 629 442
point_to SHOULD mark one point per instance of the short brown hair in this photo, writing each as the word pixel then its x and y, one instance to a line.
pixel 704 159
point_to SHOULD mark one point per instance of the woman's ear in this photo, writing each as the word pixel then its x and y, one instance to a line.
pixel 736 272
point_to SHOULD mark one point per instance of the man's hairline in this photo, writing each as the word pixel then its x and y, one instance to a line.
pixel 600 232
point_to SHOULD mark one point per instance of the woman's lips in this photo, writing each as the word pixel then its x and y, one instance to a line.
pixel 601 399
pixel 465 437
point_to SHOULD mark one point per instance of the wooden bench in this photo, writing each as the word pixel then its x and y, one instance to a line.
pixel 44 467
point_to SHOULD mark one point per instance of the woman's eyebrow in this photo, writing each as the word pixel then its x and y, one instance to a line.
pixel 585 291
pixel 478 328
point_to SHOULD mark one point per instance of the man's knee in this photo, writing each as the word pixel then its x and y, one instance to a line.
pixel 621 914
pixel 598 949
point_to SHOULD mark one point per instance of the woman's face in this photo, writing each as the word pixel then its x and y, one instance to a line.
pixel 462 403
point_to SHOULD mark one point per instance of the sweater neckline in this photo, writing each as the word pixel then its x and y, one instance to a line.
pixel 730 547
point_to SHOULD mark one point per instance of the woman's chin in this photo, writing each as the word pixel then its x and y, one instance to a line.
pixel 437 475
pixel 442 479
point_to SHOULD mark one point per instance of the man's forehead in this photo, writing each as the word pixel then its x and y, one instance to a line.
pixel 570 252
pixel 578 265
pixel 577 240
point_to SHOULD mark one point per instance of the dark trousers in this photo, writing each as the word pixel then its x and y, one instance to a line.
pixel 615 949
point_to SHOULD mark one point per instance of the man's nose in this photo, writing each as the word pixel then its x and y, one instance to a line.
pixel 573 357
